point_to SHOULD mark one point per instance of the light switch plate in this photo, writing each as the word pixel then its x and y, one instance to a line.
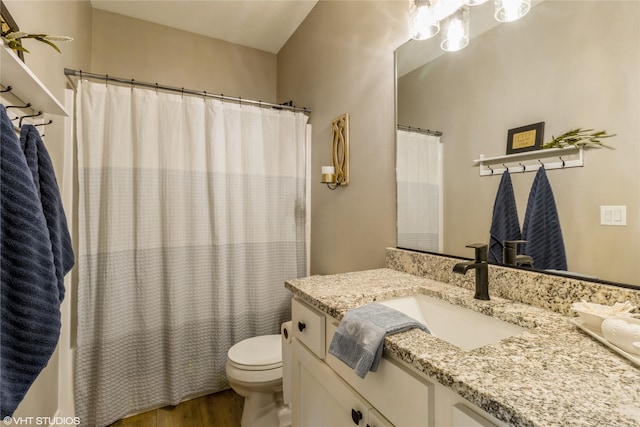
pixel 613 215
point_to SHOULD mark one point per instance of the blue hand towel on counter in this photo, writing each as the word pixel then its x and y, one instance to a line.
pixel 504 222
pixel 29 295
pixel 359 340
pixel 541 227
pixel 45 181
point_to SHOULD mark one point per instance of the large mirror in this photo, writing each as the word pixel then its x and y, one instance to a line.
pixel 569 64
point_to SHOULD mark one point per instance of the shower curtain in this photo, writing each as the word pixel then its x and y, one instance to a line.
pixel 191 216
pixel 419 176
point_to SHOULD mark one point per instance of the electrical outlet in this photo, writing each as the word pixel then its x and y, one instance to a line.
pixel 613 215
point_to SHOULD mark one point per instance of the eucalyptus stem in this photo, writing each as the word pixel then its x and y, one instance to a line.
pixel 586 138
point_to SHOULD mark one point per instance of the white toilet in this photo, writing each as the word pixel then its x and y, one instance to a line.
pixel 255 370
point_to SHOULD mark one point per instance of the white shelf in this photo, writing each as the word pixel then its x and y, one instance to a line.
pixel 25 85
pixel 518 162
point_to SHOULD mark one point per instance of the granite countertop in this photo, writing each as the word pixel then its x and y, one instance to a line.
pixel 553 374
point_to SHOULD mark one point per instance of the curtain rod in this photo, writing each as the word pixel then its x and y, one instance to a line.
pixel 107 78
pixel 418 130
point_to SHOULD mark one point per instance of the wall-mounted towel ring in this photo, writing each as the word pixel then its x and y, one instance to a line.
pixel 39 113
pixel 8 89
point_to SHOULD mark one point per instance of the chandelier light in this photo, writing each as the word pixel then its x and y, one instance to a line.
pixel 428 16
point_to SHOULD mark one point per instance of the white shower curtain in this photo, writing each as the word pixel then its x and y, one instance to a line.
pixel 419 176
pixel 191 216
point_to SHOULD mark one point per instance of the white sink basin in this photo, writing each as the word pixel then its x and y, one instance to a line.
pixel 456 325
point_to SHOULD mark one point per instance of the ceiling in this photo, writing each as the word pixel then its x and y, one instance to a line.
pixel 261 24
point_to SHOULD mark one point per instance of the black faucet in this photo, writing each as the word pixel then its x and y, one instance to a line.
pixel 510 254
pixel 481 266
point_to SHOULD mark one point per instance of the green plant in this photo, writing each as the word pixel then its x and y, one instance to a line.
pixel 13 39
pixel 586 138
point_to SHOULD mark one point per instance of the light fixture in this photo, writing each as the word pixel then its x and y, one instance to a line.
pixel 428 16
pixel 338 174
pixel 455 34
pixel 510 10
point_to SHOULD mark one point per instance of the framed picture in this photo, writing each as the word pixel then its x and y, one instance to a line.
pixel 525 138
pixel 8 25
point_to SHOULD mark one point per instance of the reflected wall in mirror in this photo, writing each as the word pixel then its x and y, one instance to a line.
pixel 568 64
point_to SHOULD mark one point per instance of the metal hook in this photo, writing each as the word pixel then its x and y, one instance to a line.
pixel 39 113
pixel 106 80
pixel 540 161
pixel 182 92
pixel 157 88
pixel 491 169
pixel 44 124
pixel 80 75
pixel 562 160
pixel 18 106
pixel 8 89
pixel 133 83
pixel 524 168
pixel 505 167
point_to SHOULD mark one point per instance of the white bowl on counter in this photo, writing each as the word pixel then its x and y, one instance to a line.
pixel 593 314
pixel 623 332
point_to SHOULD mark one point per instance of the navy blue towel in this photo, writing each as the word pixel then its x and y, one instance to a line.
pixel 541 228
pixel 29 298
pixel 44 178
pixel 504 223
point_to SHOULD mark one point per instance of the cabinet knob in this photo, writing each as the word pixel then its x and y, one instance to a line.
pixel 301 326
pixel 356 416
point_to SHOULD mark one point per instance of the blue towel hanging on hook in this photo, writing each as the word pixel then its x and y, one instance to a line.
pixel 504 222
pixel 541 228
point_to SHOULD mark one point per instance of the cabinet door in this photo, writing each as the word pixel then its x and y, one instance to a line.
pixel 320 397
pixel 377 420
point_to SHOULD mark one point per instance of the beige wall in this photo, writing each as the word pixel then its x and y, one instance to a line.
pixel 569 64
pixel 134 49
pixel 52 391
pixel 340 60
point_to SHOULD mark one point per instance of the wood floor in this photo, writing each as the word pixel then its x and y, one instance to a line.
pixel 223 409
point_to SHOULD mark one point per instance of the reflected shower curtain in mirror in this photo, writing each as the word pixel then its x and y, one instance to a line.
pixel 419 175
pixel 191 216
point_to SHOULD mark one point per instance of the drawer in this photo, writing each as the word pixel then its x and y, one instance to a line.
pixel 401 397
pixel 308 327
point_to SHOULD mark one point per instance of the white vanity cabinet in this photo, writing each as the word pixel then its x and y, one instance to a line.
pixel 326 392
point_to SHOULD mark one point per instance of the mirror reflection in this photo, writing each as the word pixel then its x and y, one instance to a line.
pixel 567 64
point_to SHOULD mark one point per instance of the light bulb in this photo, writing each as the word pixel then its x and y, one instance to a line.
pixel 424 25
pixel 455 35
pixel 510 10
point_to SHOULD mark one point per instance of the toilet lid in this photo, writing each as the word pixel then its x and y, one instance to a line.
pixel 257 353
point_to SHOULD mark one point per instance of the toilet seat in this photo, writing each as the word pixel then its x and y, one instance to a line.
pixel 262 353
